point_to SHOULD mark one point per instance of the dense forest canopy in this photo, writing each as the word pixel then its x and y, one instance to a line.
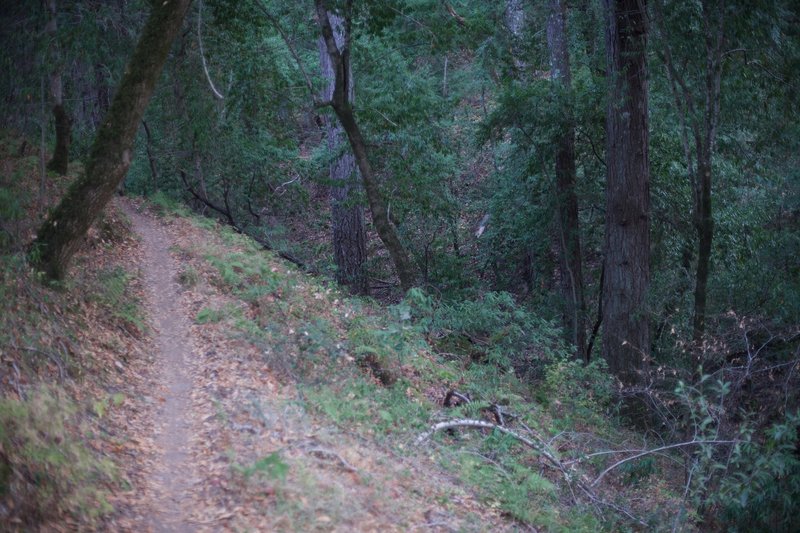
pixel 625 170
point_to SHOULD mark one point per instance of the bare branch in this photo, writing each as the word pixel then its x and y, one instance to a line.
pixel 656 450
pixel 289 45
pixel 480 424
pixel 214 90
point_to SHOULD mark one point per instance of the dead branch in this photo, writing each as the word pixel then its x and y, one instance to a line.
pixel 480 424
pixel 539 447
pixel 452 393
pixel 214 90
pixel 226 212
pixel 654 451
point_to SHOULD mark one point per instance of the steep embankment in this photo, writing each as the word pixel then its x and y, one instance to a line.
pixel 185 380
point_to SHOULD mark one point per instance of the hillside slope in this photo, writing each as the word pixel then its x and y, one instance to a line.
pixel 184 379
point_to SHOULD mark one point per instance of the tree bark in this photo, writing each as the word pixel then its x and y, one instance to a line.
pixel 349 234
pixel 340 59
pixel 574 312
pixel 515 22
pixel 60 236
pixel 60 161
pixel 626 337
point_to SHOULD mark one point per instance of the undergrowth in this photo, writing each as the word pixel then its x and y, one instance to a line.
pixel 382 372
pixel 57 344
pixel 46 470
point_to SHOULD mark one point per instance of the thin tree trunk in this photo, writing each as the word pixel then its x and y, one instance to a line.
pixel 349 234
pixel 705 236
pixel 626 337
pixel 714 39
pixel 60 236
pixel 340 59
pixel 42 157
pixel 567 201
pixel 150 158
pixel 60 160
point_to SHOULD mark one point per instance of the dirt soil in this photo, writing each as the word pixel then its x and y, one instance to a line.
pixel 222 444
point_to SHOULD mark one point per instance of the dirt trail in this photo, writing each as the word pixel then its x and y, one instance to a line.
pixel 172 342
pixel 234 446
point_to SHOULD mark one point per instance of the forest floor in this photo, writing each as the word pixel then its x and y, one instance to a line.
pixel 223 442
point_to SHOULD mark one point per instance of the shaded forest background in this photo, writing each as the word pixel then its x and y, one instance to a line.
pixel 489 133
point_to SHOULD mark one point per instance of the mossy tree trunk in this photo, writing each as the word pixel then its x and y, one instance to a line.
pixel 61 234
pixel 340 59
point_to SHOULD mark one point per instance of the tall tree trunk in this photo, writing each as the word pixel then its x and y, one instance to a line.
pixel 60 161
pixel 340 60
pixel 349 235
pixel 60 236
pixel 574 312
pixel 626 337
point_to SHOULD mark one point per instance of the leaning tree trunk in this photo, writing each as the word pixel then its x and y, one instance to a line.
pixel 626 336
pixel 574 312
pixel 349 235
pixel 60 160
pixel 340 59
pixel 60 236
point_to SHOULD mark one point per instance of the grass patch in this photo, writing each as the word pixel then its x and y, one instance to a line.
pixel 188 277
pixel 209 316
pixel 45 469
pixel 358 404
pixel 113 293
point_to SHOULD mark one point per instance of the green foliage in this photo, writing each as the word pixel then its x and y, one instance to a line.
pixel 11 211
pixel 391 340
pixel 760 490
pixel 188 277
pixel 114 294
pixel 516 489
pixel 268 468
pixel 360 405
pixel 167 205
pixel 578 391
pixel 493 329
pixel 207 315
pixel 45 468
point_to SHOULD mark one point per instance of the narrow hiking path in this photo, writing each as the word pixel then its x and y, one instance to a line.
pixel 173 353
pixel 229 443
